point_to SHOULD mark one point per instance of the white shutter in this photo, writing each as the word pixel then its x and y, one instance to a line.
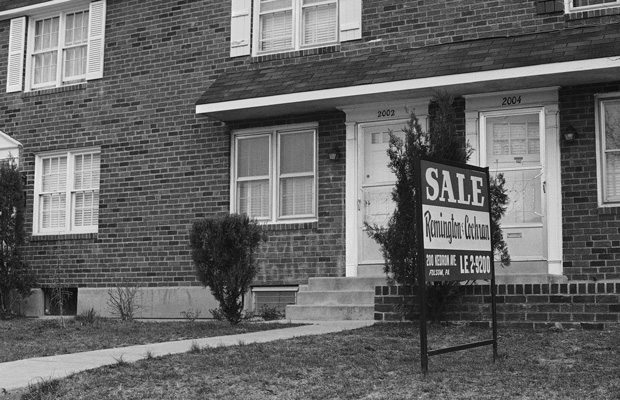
pixel 350 20
pixel 17 41
pixel 240 24
pixel 96 40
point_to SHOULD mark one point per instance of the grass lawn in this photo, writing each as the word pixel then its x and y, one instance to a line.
pixel 380 362
pixel 26 338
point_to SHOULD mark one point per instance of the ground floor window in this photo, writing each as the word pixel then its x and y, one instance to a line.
pixel 274 173
pixel 67 192
pixel 609 150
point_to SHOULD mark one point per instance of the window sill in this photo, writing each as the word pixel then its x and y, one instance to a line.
pixel 62 89
pixel 63 236
pixel 297 53
pixel 608 209
pixel 290 226
pixel 597 13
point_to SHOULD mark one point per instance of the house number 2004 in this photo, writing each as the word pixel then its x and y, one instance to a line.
pixel 385 113
pixel 509 101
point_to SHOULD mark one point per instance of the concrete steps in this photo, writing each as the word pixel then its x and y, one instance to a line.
pixel 333 299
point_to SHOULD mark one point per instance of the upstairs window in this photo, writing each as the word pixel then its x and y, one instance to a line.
pixel 67 192
pixel 62 48
pixel 285 25
pixel 274 174
pixel 274 26
pixel 59 49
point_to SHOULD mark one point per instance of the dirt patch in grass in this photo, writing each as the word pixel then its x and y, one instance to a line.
pixel 27 338
pixel 380 362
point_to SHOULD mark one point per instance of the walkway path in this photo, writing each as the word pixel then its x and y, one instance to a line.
pixel 19 374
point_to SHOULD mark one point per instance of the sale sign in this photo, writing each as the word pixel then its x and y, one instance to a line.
pixel 456 221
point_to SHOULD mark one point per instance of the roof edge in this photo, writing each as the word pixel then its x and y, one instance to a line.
pixel 12 142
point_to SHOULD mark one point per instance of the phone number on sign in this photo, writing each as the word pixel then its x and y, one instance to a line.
pixel 475 264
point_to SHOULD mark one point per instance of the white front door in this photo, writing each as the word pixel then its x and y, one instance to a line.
pixel 376 182
pixel 514 143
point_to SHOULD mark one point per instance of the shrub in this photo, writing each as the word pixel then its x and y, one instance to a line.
pixel 191 315
pixel 217 314
pixel 59 293
pixel 88 317
pixel 15 277
pixel 124 300
pixel 270 313
pixel 223 251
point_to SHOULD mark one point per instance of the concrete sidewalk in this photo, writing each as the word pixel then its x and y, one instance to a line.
pixel 19 374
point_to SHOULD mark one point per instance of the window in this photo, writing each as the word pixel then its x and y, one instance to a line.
pixel 289 25
pixel 67 192
pixel 609 150
pixel 583 5
pixel 285 25
pixel 59 53
pixel 62 48
pixel 274 174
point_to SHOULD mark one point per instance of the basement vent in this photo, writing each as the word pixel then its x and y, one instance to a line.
pixel 274 297
pixel 69 300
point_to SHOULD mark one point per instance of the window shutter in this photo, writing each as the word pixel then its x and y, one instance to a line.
pixel 350 20
pixel 17 42
pixel 240 25
pixel 96 40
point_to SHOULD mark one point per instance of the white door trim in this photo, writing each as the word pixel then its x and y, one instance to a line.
pixel 547 99
pixel 364 114
pixel 539 111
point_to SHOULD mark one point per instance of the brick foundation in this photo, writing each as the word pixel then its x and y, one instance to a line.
pixel 586 305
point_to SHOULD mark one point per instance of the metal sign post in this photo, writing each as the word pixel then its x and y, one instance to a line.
pixel 453 236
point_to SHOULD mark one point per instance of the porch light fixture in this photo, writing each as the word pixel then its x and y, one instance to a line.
pixel 570 134
pixel 334 153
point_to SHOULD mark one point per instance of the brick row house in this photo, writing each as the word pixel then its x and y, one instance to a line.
pixel 133 119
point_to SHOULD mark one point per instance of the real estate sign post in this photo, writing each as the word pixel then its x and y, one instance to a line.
pixel 454 235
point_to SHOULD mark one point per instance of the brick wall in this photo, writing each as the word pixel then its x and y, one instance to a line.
pixel 422 23
pixel 591 235
pixel 586 305
pixel 162 166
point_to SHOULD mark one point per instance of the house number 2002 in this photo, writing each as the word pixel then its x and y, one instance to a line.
pixel 510 101
pixel 385 113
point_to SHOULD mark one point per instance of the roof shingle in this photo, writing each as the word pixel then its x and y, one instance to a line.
pixel 416 63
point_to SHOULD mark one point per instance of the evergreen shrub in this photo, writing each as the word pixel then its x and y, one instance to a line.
pixel 223 250
pixel 16 281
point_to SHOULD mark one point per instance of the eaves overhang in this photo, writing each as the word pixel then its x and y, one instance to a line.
pixel 559 58
pixel 558 74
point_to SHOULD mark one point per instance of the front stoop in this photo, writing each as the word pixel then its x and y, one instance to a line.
pixel 334 299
